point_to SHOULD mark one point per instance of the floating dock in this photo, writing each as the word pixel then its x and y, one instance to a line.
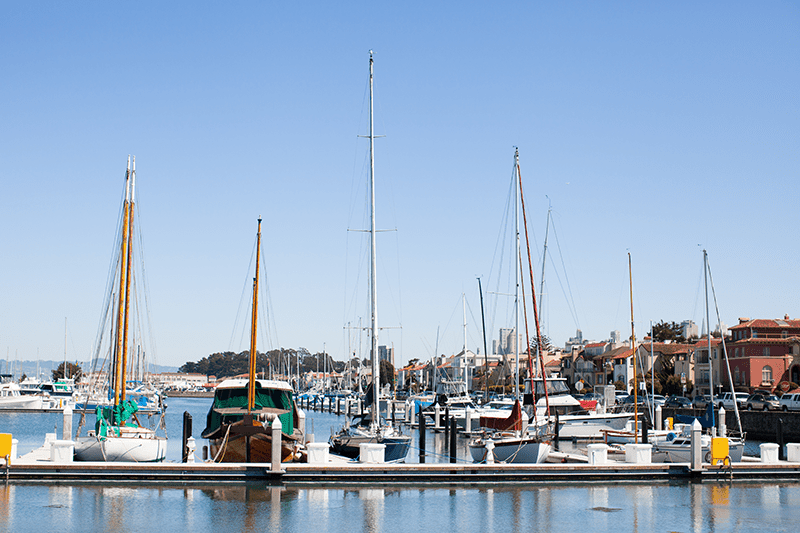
pixel 341 472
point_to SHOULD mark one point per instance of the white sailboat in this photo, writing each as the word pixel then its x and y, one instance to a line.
pixel 512 439
pixel 118 435
pixel 348 440
pixel 678 450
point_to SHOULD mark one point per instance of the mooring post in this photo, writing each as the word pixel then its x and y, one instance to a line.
pixel 780 440
pixel 644 430
pixel 421 436
pixel 66 434
pixel 453 436
pixel 555 438
pixel 447 424
pixel 187 432
pixel 275 463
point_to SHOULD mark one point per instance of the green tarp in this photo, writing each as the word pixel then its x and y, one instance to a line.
pixel 237 398
pixel 110 418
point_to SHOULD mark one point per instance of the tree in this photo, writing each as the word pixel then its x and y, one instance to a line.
pixel 387 373
pixel 73 371
pixel 667 331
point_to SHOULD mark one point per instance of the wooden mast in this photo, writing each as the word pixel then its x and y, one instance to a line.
pixel 128 276
pixel 123 258
pixel 251 385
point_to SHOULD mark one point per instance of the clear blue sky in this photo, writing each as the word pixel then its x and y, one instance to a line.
pixel 648 127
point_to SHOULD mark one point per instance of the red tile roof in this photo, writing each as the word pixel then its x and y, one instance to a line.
pixel 768 323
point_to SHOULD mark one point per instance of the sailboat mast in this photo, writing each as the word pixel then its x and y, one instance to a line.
pixel 544 260
pixel 708 335
pixel 485 351
pixel 128 276
pixel 633 346
pixel 464 311
pixel 66 376
pixel 251 384
pixel 123 258
pixel 376 378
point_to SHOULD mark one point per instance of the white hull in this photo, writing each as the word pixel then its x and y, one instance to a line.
pixel 136 445
pixel 21 402
pixel 511 450
pixel 591 425
pixel 680 451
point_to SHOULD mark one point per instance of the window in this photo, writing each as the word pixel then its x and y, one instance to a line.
pixel 736 376
pixel 754 334
pixel 766 374
pixel 766 351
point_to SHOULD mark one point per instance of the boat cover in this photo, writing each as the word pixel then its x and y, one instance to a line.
pixel 225 400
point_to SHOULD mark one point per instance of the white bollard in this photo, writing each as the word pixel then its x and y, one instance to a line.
pixel 697 446
pixel 62 451
pixel 659 417
pixel 598 454
pixel 641 454
pixel 489 452
pixel 436 414
pixel 769 452
pixel 370 452
pixel 275 463
pixel 318 452
pixel 793 452
pixel 67 433
pixel 721 427
pixel 191 446
pixel 468 420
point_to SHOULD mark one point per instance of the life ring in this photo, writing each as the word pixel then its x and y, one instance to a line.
pixel 707 457
pixel 671 436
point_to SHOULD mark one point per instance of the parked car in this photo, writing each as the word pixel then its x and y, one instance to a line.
pixel 591 396
pixel 790 402
pixel 762 402
pixel 701 401
pixel 726 399
pixel 656 400
pixel 680 402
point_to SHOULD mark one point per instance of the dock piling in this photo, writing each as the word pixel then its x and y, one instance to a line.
pixel 187 432
pixel 453 436
pixel 421 436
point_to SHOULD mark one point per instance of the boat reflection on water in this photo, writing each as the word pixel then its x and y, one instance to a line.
pixel 253 506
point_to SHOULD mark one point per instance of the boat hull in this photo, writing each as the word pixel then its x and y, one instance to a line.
pixel 141 446
pixel 234 449
pixel 681 451
pixel 349 446
pixel 511 450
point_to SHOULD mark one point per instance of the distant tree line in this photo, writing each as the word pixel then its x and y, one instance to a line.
pixel 279 361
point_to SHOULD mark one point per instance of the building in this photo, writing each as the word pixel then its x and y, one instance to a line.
pixel 764 353
pixel 386 354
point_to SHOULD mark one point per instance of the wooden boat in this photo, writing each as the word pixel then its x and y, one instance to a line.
pixel 509 440
pixel 118 435
pixel 239 423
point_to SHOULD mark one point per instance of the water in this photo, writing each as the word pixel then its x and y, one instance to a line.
pixel 680 507
pixel 256 507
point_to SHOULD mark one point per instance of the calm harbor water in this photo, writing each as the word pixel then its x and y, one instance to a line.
pixel 678 507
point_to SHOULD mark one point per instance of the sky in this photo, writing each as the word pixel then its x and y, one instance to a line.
pixel 650 129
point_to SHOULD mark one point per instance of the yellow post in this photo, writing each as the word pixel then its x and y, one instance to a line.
pixel 5 447
pixel 720 450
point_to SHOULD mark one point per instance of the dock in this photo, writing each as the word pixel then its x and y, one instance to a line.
pixel 37 467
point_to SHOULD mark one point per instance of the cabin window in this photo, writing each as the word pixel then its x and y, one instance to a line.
pixel 766 374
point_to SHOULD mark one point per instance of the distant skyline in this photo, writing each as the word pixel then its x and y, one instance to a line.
pixel 655 129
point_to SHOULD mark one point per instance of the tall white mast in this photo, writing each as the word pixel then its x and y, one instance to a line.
pixel 464 359
pixel 376 377
pixel 708 332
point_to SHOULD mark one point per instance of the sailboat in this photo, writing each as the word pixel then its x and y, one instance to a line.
pixel 348 440
pixel 118 435
pixel 511 439
pixel 678 450
pixel 238 425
